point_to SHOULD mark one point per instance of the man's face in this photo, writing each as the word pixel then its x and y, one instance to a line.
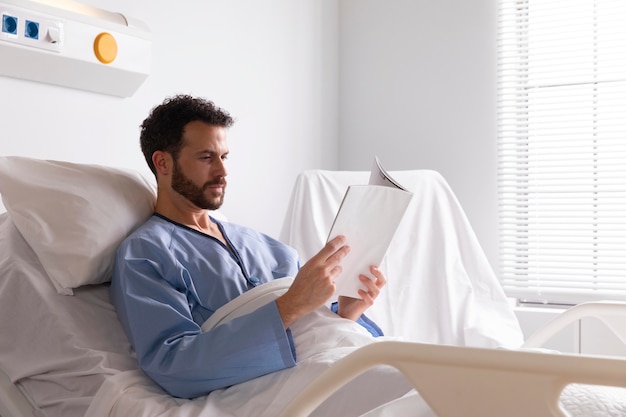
pixel 199 173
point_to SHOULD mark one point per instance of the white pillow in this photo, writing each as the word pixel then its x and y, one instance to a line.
pixel 73 215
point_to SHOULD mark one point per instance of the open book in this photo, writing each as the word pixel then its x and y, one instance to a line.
pixel 368 217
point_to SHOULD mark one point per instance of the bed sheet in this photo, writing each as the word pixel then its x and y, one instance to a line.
pixel 321 338
pixel 74 359
pixel 133 394
pixel 267 396
pixel 58 349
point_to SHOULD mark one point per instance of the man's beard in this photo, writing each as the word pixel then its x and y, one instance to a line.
pixel 185 187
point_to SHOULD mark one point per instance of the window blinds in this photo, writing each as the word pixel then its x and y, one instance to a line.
pixel 562 149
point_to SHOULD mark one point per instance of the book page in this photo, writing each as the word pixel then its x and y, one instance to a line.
pixel 379 176
pixel 368 217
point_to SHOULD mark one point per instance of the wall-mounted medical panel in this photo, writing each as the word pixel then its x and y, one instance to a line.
pixel 70 44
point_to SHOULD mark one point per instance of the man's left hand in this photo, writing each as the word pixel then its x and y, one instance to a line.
pixel 353 308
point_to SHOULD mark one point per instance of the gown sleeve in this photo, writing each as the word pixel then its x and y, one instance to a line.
pixel 149 294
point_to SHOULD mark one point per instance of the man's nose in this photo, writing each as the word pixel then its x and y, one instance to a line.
pixel 221 168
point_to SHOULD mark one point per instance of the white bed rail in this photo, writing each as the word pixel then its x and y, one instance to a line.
pixel 471 382
pixel 611 313
pixel 485 381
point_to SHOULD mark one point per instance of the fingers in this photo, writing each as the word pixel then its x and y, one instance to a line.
pixel 368 295
pixel 334 251
pixel 353 308
pixel 374 285
pixel 327 262
pixel 315 282
pixel 380 277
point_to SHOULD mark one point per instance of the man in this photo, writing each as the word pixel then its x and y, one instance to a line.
pixel 178 268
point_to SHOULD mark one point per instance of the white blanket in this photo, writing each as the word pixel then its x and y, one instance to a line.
pixel 594 401
pixel 321 338
pixel 248 302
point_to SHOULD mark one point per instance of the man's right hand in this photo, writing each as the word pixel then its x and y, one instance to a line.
pixel 315 282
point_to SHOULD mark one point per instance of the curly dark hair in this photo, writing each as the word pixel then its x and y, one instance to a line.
pixel 163 129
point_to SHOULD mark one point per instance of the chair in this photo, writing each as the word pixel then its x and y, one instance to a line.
pixel 441 288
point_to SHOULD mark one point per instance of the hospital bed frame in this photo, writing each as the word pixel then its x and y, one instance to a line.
pixel 462 381
pixel 511 382
pixel 483 382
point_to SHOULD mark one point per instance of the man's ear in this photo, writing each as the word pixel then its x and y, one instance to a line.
pixel 163 162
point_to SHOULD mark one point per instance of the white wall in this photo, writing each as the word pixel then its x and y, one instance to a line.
pixel 272 64
pixel 417 87
pixel 313 84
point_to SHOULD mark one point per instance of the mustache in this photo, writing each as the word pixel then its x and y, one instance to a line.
pixel 219 181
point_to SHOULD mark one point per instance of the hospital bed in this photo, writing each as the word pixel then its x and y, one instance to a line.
pixel 450 329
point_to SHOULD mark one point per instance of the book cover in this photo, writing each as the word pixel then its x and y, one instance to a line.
pixel 368 217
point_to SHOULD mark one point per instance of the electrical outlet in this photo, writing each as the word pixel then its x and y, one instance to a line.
pixel 85 48
pixel 9 24
pixel 30 29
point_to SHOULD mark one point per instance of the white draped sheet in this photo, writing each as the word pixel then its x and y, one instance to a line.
pixel 441 287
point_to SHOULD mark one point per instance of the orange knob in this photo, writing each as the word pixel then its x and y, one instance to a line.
pixel 105 48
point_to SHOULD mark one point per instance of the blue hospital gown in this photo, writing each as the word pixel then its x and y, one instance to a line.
pixel 168 279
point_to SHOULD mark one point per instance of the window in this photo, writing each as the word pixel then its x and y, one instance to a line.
pixel 562 149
